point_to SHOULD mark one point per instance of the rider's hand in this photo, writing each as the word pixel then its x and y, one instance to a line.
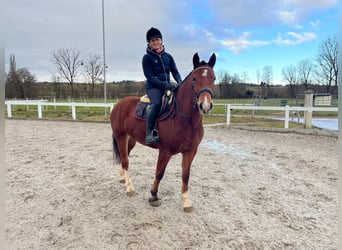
pixel 171 86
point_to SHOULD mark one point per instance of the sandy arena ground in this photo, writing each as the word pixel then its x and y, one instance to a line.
pixel 250 190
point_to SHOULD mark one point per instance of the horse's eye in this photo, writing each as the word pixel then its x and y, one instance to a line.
pixel 194 79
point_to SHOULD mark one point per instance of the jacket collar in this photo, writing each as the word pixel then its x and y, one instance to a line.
pixel 149 50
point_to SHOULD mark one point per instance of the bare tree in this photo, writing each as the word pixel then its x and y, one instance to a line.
pixel 327 60
pixel 19 81
pixel 266 81
pixel 93 71
pixel 267 74
pixel 305 70
pixel 68 63
pixel 245 77
pixel 290 75
pixel 258 75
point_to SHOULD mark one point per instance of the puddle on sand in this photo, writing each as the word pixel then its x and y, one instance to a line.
pixel 221 148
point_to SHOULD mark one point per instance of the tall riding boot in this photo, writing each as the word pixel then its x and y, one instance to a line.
pixel 151 133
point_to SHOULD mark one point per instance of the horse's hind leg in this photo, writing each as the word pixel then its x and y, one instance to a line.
pixel 131 144
pixel 125 145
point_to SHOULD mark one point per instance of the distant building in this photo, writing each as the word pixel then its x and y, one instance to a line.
pixel 323 99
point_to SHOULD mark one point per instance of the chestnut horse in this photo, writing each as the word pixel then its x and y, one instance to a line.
pixel 180 133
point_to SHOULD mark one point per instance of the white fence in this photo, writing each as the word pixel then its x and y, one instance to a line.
pixel 41 103
pixel 286 109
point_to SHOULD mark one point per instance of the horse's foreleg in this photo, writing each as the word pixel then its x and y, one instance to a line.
pixel 122 178
pixel 186 164
pixel 163 159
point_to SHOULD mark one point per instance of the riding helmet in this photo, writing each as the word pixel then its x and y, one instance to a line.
pixel 153 33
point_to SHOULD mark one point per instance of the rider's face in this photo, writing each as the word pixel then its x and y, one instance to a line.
pixel 155 43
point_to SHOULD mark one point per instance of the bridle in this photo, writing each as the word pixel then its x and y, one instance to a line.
pixel 197 94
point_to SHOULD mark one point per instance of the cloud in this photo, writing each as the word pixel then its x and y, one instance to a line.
pixel 288 17
pixel 242 43
pixel 37 28
pixel 293 12
pixel 312 4
pixel 315 24
pixel 295 38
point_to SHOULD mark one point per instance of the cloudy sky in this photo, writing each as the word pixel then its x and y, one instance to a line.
pixel 246 35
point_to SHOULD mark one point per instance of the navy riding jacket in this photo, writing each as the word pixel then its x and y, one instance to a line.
pixel 157 68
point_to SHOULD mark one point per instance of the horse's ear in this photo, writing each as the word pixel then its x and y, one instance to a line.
pixel 196 60
pixel 212 60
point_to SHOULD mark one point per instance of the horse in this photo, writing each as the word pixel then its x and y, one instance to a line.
pixel 180 133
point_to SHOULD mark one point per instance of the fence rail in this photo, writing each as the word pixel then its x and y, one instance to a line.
pixel 41 103
pixel 73 105
pixel 286 109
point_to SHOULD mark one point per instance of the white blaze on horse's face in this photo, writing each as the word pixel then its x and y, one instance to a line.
pixel 206 106
pixel 204 101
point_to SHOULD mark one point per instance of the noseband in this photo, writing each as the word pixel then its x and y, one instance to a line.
pixel 204 90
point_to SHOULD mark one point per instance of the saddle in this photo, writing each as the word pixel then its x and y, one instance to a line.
pixel 166 109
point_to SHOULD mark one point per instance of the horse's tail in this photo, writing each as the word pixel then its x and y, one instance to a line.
pixel 116 153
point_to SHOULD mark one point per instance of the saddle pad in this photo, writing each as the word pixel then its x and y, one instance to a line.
pixel 142 109
pixel 145 99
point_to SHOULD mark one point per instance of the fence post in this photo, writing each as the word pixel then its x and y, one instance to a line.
pixel 54 101
pixel 73 111
pixel 27 105
pixel 9 110
pixel 287 112
pixel 308 103
pixel 228 114
pixel 40 114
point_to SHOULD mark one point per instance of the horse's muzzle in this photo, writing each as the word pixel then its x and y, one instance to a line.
pixel 205 100
pixel 205 107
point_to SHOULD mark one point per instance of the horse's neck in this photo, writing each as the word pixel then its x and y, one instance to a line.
pixel 186 103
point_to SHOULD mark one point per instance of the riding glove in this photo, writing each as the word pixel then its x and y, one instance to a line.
pixel 171 86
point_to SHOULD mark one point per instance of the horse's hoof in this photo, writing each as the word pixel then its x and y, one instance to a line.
pixel 122 181
pixel 188 209
pixel 131 193
pixel 154 201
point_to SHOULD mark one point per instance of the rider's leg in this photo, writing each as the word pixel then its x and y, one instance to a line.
pixel 155 96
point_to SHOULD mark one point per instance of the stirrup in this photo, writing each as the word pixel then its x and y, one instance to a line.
pixel 155 136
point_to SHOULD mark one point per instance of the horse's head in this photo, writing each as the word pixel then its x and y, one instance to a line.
pixel 203 78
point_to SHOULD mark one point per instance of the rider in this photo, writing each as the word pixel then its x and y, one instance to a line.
pixel 157 65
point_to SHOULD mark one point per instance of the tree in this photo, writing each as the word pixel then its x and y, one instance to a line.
pixel 68 64
pixel 266 81
pixel 19 82
pixel 327 60
pixel 258 75
pixel 290 75
pixel 245 77
pixel 26 80
pixel 305 70
pixel 267 74
pixel 93 71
